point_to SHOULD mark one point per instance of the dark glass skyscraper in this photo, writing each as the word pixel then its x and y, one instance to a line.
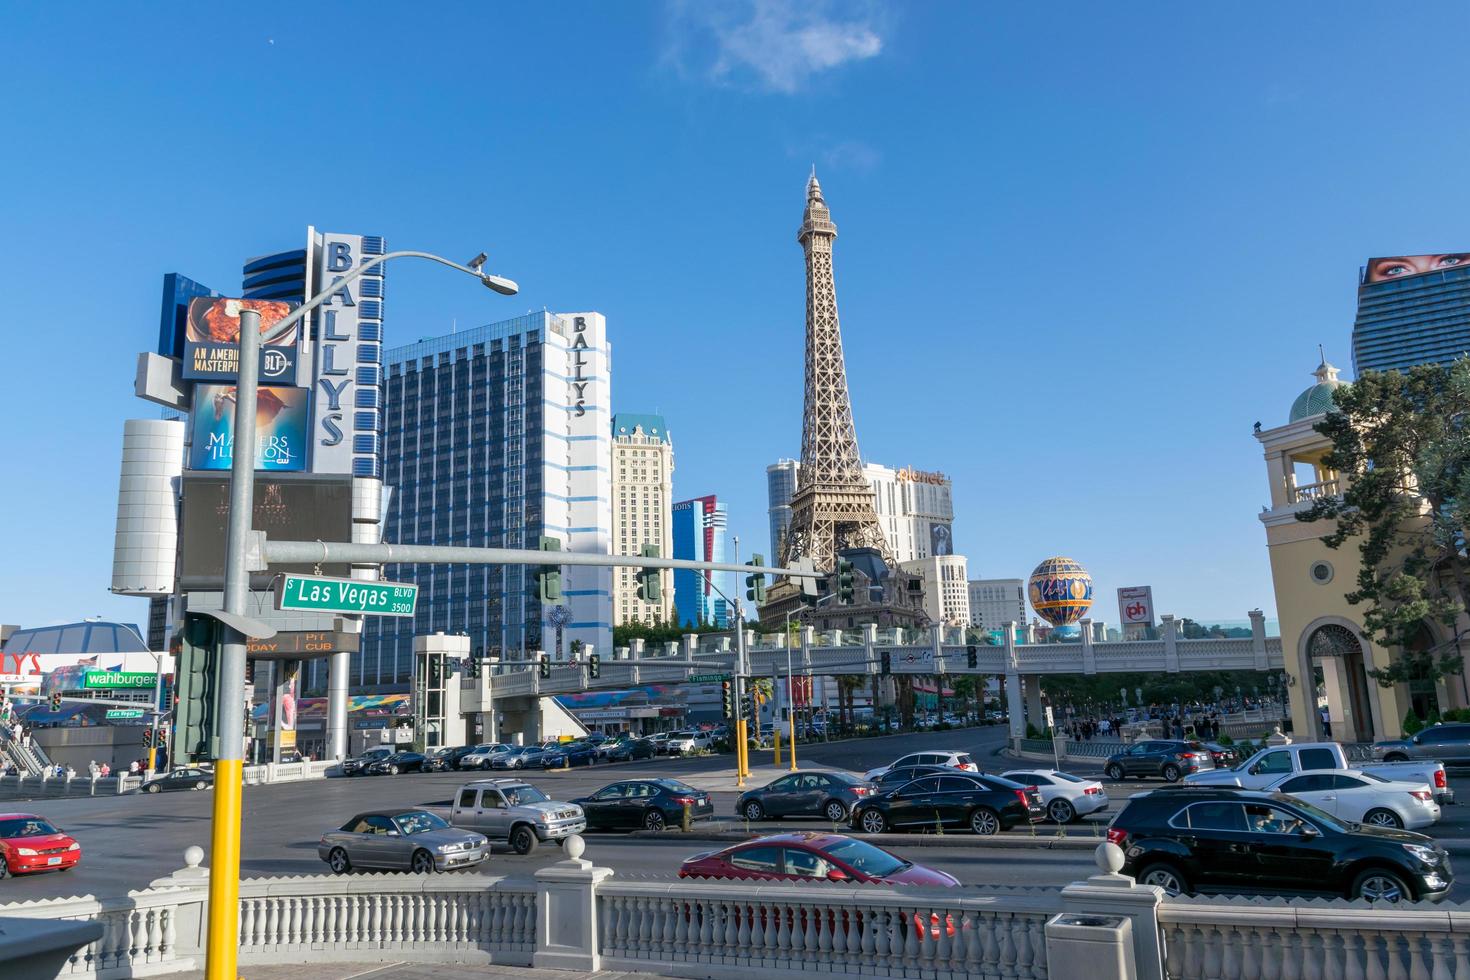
pixel 1412 310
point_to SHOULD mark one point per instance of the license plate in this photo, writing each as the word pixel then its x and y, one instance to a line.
pixel 704 801
pixel 55 860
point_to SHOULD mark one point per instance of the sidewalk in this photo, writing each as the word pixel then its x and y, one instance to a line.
pixel 414 971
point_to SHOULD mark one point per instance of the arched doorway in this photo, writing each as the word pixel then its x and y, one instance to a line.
pixel 1338 651
pixel 1423 693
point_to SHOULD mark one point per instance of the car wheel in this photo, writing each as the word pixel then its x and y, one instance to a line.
pixel 873 822
pixel 984 822
pixel 1165 877
pixel 836 812
pixel 1171 773
pixel 753 811
pixel 338 861
pixel 518 764
pixel 523 839
pixel 1380 886
pixel 653 820
pixel 1115 772
pixel 392 770
pixel 151 788
pixel 1395 757
pixel 1382 817
pixel 200 785
pixel 1061 811
pixel 423 863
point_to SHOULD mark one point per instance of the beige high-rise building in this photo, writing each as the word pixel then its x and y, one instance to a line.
pixel 643 489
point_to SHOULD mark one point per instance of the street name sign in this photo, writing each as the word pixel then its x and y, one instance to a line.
pixel 94 680
pixel 114 714
pixel 708 678
pixel 315 593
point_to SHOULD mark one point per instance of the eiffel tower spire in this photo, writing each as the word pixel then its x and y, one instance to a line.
pixel 833 505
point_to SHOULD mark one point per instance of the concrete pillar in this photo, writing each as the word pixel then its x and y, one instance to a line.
pixel 1339 700
pixel 1170 628
pixel 1036 713
pixel 1089 656
pixel 690 645
pixel 1015 705
pixel 635 648
pixel 566 912
pixel 1113 894
pixel 339 669
pixel 1258 638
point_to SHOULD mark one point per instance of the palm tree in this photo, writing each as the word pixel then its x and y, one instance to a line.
pixel 760 692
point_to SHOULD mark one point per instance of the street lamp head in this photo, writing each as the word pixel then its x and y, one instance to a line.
pixel 503 286
pixel 476 262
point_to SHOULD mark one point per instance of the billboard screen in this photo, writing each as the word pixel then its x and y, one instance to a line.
pixel 287 508
pixel 173 323
pixel 1401 266
pixel 1136 605
pixel 212 340
pixel 941 539
pixel 281 421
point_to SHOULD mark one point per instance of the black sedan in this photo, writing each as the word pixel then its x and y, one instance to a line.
pixel 651 804
pixel 984 804
pixel 805 794
pixel 570 754
pixel 894 778
pixel 180 779
pixel 398 762
pixel 447 759
pixel 630 749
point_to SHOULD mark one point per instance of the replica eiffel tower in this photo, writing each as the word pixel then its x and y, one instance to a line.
pixel 832 509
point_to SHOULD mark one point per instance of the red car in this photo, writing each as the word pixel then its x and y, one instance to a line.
pixel 31 843
pixel 834 857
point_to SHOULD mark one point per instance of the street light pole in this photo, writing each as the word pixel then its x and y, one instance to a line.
pixel 222 949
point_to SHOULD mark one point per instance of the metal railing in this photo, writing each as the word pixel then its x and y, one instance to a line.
pixel 1312 491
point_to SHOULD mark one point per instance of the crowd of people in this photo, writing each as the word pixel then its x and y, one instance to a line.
pixel 1177 723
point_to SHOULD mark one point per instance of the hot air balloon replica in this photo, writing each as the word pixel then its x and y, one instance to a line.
pixel 1061 594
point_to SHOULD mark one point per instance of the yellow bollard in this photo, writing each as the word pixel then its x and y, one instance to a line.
pixel 776 746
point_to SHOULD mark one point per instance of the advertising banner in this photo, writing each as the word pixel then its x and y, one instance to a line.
pixel 212 340
pixel 280 428
pixel 1403 266
pixel 348 361
pixel 109 679
pixel 941 539
pixel 1136 605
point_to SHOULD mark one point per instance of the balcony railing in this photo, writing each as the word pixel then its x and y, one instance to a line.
pixel 1312 491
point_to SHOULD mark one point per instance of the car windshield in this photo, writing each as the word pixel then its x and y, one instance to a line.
pixel 419 822
pixel 25 827
pixel 521 795
pixel 864 857
pixel 844 777
pixel 677 786
pixel 1322 817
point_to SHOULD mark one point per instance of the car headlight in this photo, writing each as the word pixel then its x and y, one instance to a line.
pixel 29 852
pixel 1427 855
pixel 542 818
pixel 73 846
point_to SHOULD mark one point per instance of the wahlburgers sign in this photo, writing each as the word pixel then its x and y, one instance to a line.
pixel 93 679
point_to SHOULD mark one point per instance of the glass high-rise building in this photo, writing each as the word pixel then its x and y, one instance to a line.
pixel 1412 309
pixel 496 437
pixel 699 535
pixel 780 488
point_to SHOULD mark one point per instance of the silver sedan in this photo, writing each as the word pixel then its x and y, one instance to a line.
pixel 401 840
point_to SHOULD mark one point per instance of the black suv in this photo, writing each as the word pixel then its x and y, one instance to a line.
pixel 1171 758
pixel 984 804
pixel 1188 839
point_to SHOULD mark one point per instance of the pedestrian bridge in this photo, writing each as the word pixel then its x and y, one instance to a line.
pixel 927 652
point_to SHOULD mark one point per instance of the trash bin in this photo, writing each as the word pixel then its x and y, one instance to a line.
pixel 1098 947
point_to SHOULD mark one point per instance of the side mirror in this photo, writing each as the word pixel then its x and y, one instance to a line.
pixel 1417 739
pixel 837 874
pixel 1255 769
pixel 392 833
pixel 1309 831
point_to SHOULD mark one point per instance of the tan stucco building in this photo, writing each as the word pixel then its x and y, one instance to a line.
pixel 1321 633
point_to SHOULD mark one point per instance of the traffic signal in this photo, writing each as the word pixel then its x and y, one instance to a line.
pixel 594 667
pixel 755 583
pixel 548 577
pixel 844 581
pixel 148 737
pixel 727 698
pixel 56 701
pixel 195 686
pixel 544 667
pixel 972 657
pixel 885 663
pixel 649 587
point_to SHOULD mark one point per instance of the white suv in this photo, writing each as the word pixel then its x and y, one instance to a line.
pixel 682 743
pixel 946 757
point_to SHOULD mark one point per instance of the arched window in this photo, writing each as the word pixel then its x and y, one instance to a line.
pixel 1332 640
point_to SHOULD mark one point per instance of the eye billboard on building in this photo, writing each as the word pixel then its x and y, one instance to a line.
pixel 281 420
pixel 1403 266
pixel 212 340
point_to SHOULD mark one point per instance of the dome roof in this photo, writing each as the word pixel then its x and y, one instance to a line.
pixel 1317 399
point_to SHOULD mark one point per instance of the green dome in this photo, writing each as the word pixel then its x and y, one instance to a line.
pixel 1317 399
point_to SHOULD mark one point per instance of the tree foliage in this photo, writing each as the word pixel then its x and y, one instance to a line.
pixel 1402 440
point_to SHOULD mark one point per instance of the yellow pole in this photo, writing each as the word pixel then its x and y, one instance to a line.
pixel 791 751
pixel 224 876
pixel 152 758
pixel 776 745
pixel 740 753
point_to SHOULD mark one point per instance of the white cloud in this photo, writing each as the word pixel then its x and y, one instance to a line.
pixel 772 45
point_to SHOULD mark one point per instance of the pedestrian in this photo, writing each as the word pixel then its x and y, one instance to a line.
pixel 105 770
pixel 71 773
pixel 1326 724
pixel 133 768
pixel 93 769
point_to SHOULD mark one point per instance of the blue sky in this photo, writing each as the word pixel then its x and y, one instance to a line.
pixel 1083 247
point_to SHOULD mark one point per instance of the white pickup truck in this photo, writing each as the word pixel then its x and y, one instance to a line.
pixel 1271 763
